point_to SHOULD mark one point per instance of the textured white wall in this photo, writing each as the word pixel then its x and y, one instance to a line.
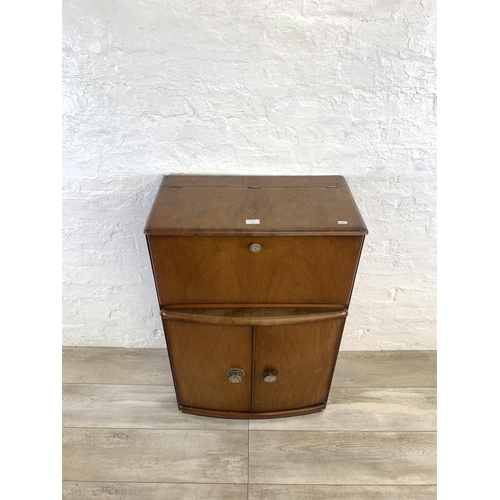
pixel 153 87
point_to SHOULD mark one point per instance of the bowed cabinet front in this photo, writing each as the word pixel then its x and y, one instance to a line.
pixel 253 364
pixel 254 277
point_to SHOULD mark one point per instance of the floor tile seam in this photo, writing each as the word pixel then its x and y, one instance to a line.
pixel 345 351
pixel 380 387
pixel 70 348
pixel 415 485
pixel 118 385
pixel 248 431
pixel 242 483
pixel 151 429
pixel 384 485
pixel 383 387
pixel 351 431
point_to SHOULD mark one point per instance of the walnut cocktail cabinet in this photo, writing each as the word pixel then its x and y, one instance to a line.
pixel 254 277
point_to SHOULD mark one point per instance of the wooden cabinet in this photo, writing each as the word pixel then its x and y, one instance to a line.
pixel 254 277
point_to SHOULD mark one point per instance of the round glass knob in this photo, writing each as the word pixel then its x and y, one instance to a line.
pixel 270 374
pixel 235 375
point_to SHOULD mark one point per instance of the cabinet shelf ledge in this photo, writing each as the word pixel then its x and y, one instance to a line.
pixel 265 316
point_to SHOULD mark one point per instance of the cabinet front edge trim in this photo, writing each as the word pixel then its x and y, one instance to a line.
pixel 221 319
pixel 252 415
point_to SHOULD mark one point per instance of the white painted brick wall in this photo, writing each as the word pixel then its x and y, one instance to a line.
pixel 290 87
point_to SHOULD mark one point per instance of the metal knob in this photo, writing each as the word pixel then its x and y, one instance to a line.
pixel 255 247
pixel 270 374
pixel 235 375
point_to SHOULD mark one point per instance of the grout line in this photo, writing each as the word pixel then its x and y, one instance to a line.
pixel 344 351
pixel 64 347
pixel 362 432
pixel 353 485
pixel 251 430
pixel 331 389
pixel 142 482
pixel 413 485
pixel 382 387
pixel 343 430
pixel 151 429
pixel 104 383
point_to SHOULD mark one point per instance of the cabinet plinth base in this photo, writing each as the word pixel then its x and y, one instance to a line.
pixel 252 415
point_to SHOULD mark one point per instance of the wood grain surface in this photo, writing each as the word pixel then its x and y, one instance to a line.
pixel 222 206
pixel 325 457
pixel 304 357
pixel 145 455
pixel 373 409
pixel 115 365
pixel 127 441
pixel 155 407
pixel 132 406
pixel 386 369
pixel 201 357
pixel 162 491
pixel 334 492
pixel 222 269
pixel 152 491
pixel 278 181
pixel 255 316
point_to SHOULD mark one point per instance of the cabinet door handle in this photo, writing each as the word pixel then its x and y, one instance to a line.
pixel 235 375
pixel 270 374
pixel 255 247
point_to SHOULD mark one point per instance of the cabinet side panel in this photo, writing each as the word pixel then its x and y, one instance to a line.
pixel 303 355
pixel 152 267
pixel 201 355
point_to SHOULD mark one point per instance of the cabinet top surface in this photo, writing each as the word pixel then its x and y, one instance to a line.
pixel 254 205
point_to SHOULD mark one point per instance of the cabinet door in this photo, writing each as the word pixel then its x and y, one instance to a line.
pixel 201 356
pixel 294 364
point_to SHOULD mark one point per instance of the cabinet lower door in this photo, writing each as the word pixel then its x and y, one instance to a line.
pixel 293 364
pixel 201 356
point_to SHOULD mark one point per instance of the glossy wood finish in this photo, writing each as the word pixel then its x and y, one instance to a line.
pixel 263 316
pixel 303 351
pixel 254 181
pixel 251 273
pixel 303 355
pixel 253 414
pixel 288 270
pixel 284 205
pixel 201 355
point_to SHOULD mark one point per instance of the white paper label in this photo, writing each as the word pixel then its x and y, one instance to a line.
pixel 341 222
pixel 253 221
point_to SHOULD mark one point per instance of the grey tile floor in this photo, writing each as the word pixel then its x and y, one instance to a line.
pixel 124 438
